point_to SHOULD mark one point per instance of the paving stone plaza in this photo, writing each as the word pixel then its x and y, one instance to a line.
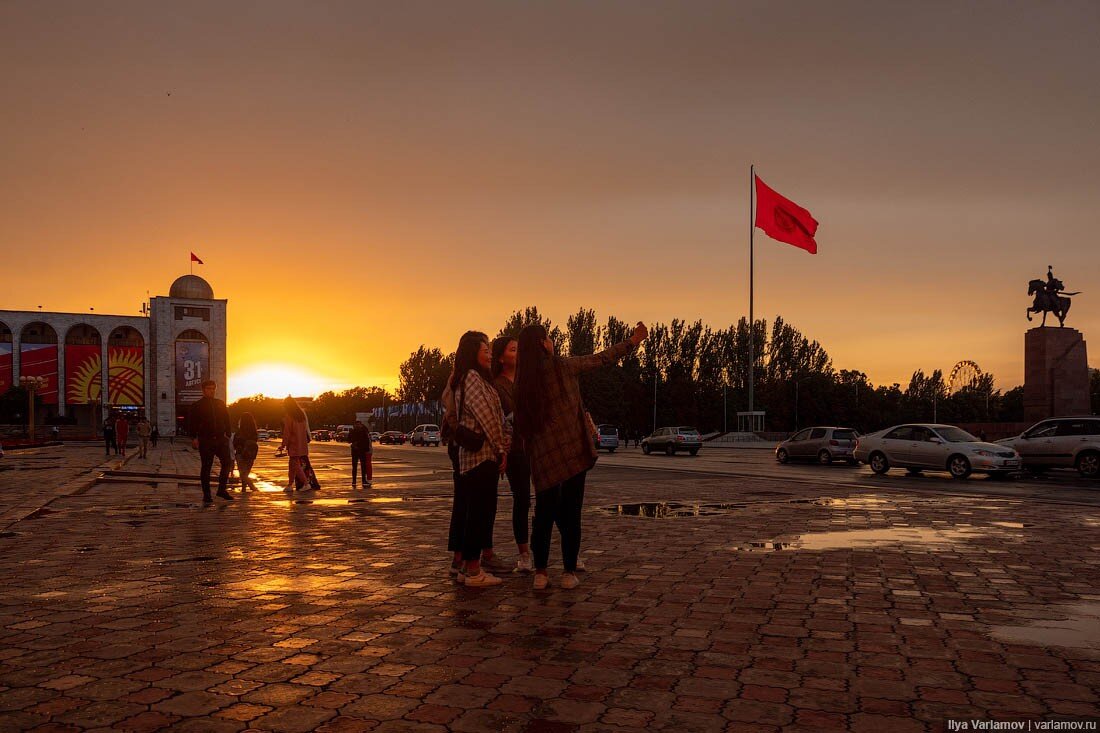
pixel 760 598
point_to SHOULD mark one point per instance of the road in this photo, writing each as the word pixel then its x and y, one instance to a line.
pixel 423 469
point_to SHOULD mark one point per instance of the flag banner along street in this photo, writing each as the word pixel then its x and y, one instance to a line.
pixel 784 220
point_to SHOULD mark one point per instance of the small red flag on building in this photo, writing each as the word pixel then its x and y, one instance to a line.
pixel 783 219
pixel 194 258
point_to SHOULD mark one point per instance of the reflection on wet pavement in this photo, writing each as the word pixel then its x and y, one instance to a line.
pixel 1077 628
pixel 857 539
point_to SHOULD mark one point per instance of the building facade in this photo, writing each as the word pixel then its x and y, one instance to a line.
pixel 95 365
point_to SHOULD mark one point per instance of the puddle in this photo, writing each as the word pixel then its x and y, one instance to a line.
pixel 662 509
pixel 863 538
pixel 1079 630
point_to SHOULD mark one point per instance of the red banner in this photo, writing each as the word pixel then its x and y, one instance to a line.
pixel 40 360
pixel 126 375
pixel 5 368
pixel 83 374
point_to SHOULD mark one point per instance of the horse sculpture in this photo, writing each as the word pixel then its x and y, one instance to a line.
pixel 1048 300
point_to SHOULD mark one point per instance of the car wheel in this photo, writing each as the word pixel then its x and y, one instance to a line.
pixel 781 456
pixel 669 450
pixel 694 451
pixel 958 466
pixel 645 448
pixel 1088 464
pixel 824 458
pixel 879 463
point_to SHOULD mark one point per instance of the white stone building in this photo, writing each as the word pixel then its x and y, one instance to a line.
pixel 96 364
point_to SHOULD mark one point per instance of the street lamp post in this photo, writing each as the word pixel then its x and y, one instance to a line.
pixel 654 400
pixel 32 385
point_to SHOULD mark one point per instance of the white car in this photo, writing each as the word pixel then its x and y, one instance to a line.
pixel 920 447
pixel 425 435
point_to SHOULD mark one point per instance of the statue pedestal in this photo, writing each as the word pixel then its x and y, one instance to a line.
pixel 1056 373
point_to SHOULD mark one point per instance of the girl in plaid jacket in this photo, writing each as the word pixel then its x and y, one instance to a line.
pixel 556 433
pixel 477 408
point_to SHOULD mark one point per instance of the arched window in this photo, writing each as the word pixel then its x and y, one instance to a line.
pixel 126 336
pixel 192 335
pixel 83 335
pixel 5 358
pixel 38 333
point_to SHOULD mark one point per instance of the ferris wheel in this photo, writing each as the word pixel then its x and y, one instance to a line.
pixel 964 374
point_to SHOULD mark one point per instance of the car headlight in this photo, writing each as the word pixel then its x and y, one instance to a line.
pixel 984 453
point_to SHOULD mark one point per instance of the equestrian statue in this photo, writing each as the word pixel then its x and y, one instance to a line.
pixel 1050 297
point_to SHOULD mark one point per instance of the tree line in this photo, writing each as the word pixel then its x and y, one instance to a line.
pixel 688 373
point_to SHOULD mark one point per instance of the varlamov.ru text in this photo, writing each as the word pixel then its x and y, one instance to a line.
pixel 968 725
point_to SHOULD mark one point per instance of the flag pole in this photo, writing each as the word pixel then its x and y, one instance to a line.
pixel 752 323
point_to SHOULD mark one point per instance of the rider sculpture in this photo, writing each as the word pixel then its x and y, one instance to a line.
pixel 1050 297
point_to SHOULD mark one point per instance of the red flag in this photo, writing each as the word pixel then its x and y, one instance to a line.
pixel 194 258
pixel 783 219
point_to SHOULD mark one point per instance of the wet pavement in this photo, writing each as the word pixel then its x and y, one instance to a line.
pixel 722 593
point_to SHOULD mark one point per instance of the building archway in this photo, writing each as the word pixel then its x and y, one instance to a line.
pixel 192 350
pixel 83 374
pixel 126 369
pixel 6 364
pixel 38 358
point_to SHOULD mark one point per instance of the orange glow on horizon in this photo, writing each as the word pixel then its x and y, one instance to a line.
pixel 278 380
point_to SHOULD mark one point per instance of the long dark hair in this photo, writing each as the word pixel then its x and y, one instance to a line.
pixel 293 410
pixel 500 345
pixel 466 357
pixel 534 367
pixel 247 424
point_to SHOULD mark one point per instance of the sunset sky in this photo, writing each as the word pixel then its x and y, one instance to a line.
pixel 361 178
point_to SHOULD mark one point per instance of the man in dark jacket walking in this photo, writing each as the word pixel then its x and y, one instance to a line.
pixel 361 452
pixel 208 424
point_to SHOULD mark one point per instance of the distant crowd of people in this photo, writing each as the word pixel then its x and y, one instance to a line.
pixel 116 435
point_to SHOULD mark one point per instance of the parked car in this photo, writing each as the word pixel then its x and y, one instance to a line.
pixel 375 436
pixel 929 447
pixel 392 437
pixel 322 436
pixel 1063 442
pixel 343 433
pixel 263 435
pixel 671 440
pixel 607 437
pixel 822 444
pixel 425 435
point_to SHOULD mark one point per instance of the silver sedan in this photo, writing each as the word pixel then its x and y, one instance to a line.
pixel 932 447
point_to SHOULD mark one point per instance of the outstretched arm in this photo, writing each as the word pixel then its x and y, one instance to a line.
pixel 578 364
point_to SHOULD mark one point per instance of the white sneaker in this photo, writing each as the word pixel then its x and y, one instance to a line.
pixel 482 580
pixel 569 581
pixel 524 564
pixel 580 565
pixel 542 581
pixel 367 484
